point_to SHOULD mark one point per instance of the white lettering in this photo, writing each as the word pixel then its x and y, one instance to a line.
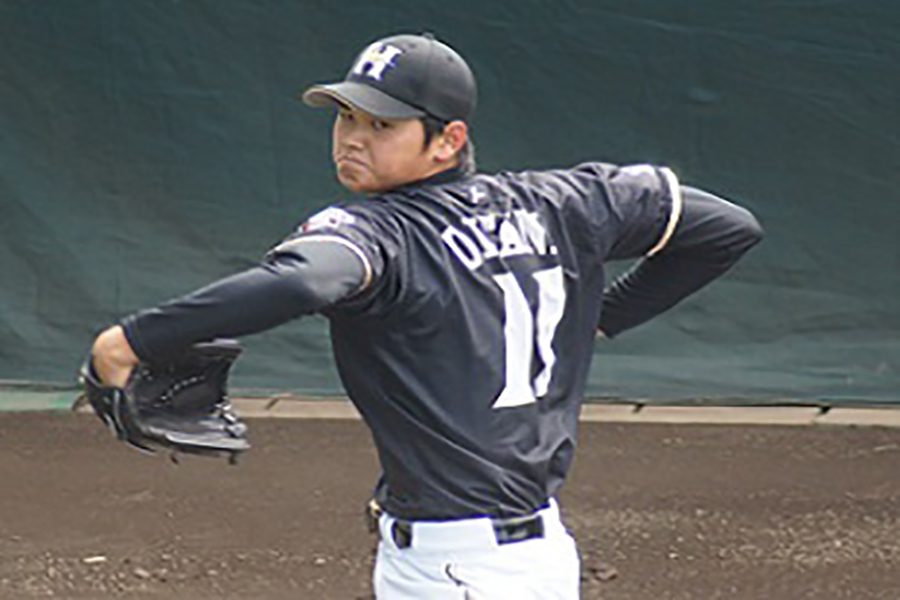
pixel 488 248
pixel 532 231
pixel 490 235
pixel 375 60
pixel 511 243
pixel 463 247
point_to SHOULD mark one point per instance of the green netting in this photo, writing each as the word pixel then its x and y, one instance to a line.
pixel 149 147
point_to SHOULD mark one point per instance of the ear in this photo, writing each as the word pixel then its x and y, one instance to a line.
pixel 451 141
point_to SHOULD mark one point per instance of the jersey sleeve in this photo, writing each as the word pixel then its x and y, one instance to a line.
pixel 283 287
pixel 363 228
pixel 712 235
pixel 635 208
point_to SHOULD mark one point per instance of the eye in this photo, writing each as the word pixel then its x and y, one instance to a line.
pixel 379 125
pixel 345 115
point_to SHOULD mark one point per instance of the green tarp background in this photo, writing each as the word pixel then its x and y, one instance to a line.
pixel 148 147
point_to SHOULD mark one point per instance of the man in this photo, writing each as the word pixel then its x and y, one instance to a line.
pixel 463 309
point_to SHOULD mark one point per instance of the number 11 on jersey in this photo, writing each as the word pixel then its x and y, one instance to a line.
pixel 523 332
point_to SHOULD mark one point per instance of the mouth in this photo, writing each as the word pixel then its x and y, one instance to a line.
pixel 344 159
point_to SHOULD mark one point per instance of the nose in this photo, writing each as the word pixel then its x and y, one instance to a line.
pixel 353 142
pixel 350 136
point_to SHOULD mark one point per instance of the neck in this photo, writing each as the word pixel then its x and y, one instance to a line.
pixel 443 174
pixel 440 168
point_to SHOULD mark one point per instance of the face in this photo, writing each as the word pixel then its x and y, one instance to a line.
pixel 373 155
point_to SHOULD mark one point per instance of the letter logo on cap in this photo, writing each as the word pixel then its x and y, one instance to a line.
pixel 376 59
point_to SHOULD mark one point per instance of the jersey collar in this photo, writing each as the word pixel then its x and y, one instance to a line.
pixel 446 176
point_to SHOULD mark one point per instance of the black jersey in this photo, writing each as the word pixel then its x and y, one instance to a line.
pixel 468 349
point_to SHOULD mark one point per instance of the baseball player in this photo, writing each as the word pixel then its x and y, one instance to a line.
pixel 463 310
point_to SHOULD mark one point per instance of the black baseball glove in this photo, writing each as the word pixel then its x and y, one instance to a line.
pixel 181 405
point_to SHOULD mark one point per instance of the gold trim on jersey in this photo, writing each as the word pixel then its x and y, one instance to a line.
pixel 674 213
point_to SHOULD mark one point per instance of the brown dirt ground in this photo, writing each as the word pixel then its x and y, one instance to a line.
pixel 660 512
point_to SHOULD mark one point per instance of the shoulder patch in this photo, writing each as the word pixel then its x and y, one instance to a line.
pixel 641 170
pixel 330 218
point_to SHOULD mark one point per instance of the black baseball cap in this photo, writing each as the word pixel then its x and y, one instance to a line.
pixel 403 77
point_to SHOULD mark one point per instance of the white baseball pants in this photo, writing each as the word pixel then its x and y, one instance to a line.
pixel 462 560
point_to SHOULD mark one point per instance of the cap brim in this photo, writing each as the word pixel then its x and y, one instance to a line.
pixel 361 96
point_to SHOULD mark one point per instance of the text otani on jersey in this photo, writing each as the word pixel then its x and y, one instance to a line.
pixel 482 237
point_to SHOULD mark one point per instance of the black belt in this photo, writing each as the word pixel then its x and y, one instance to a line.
pixel 506 531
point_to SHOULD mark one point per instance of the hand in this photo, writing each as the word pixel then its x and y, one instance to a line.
pixel 113 357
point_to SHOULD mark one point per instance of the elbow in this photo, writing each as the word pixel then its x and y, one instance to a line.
pixel 715 227
pixel 740 232
pixel 746 230
pixel 751 229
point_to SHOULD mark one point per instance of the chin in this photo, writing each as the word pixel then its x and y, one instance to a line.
pixel 350 183
pixel 357 187
pixel 360 187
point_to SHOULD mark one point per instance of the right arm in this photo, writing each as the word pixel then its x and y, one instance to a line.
pixel 711 235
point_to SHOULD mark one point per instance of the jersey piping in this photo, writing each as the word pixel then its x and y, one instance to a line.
pixel 675 212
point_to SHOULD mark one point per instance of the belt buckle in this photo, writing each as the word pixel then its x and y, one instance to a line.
pixel 519 529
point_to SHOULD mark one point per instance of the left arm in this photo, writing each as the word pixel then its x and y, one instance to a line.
pixel 710 237
pixel 298 278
